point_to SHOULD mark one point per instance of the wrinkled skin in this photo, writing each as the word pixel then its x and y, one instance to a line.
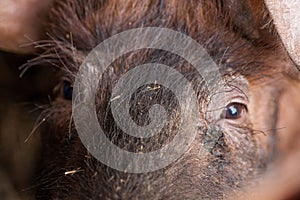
pixel 226 155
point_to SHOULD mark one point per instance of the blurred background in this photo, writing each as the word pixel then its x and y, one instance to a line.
pixel 21 23
pixel 21 101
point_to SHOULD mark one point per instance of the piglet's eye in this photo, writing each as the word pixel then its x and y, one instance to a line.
pixel 67 90
pixel 234 111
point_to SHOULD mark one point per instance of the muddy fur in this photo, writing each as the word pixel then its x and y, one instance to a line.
pixel 223 157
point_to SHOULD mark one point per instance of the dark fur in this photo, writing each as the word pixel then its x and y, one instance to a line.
pixel 239 37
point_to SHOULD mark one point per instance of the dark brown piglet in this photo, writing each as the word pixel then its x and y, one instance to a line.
pixel 239 138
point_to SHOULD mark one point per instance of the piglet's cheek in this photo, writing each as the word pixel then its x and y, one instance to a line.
pixel 288 125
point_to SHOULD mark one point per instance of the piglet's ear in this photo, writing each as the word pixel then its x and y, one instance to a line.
pixel 286 17
pixel 251 19
pixel 21 23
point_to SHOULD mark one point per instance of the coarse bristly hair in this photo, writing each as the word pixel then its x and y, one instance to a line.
pixel 238 35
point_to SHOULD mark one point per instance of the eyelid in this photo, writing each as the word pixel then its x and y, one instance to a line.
pixel 66 80
pixel 238 99
pixel 57 91
pixel 238 120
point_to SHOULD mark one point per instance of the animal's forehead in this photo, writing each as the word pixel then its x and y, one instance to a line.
pixel 76 28
pixel 90 24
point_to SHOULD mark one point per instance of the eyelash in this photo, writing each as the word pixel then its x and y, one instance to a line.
pixel 67 90
pixel 234 111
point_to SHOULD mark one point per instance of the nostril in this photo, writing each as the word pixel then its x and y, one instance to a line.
pixel 67 90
